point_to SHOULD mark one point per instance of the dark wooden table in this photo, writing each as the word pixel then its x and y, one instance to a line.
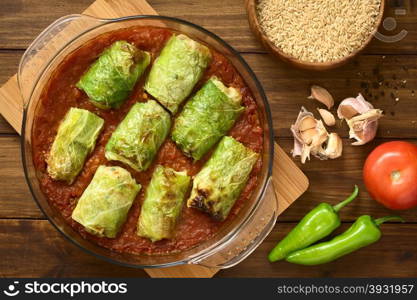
pixel 30 246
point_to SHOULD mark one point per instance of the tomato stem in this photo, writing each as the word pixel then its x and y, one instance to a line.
pixel 395 175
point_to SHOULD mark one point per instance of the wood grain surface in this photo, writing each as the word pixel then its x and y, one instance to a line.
pixel 287 89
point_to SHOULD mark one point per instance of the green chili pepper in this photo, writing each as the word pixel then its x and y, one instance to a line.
pixel 317 224
pixel 363 232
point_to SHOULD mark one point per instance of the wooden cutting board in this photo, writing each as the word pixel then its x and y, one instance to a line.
pixel 289 181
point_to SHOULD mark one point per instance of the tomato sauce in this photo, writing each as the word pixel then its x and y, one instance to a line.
pixel 60 94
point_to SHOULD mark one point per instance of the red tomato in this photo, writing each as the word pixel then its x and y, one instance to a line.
pixel 390 174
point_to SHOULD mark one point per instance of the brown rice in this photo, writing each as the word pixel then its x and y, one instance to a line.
pixel 318 30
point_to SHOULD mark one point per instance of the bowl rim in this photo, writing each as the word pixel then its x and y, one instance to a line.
pixel 276 51
pixel 268 121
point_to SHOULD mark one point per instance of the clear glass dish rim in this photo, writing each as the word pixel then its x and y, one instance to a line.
pixel 268 120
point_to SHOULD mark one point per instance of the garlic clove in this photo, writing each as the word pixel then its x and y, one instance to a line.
pixel 308 135
pixel 351 107
pixel 322 95
pixel 307 122
pixel 327 117
pixel 320 137
pixel 334 147
pixel 346 112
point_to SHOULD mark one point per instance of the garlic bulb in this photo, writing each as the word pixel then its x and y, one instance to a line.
pixel 361 118
pixel 309 135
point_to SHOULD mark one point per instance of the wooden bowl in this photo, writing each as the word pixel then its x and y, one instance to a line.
pixel 318 66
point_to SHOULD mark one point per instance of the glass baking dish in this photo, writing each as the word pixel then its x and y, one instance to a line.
pixel 237 238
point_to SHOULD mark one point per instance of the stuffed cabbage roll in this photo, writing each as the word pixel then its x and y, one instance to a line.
pixel 178 68
pixel 138 137
pixel 111 78
pixel 75 140
pixel 102 208
pixel 219 183
pixel 163 202
pixel 206 118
